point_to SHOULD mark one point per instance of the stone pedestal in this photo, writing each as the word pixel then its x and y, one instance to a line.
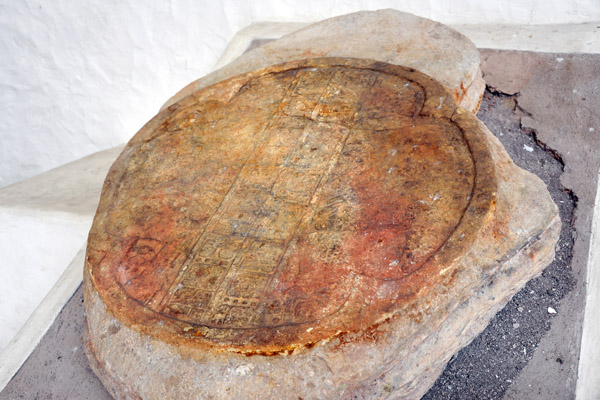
pixel 323 228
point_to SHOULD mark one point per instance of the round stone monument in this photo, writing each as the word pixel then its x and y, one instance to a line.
pixel 292 232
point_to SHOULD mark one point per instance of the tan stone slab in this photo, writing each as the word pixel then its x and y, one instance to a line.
pixel 388 35
pixel 326 228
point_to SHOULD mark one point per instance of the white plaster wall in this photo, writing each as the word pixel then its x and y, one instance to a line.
pixel 80 76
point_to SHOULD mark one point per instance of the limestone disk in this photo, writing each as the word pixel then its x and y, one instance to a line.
pixel 272 231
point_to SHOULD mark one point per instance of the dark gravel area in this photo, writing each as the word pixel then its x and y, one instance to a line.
pixel 486 368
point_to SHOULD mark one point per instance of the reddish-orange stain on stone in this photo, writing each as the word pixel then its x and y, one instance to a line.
pixel 287 205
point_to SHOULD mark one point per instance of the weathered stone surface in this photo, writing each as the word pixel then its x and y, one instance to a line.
pixel 388 35
pixel 324 228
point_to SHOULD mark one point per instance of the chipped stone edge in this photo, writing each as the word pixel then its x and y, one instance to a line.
pixel 491 301
pixel 468 97
pixel 544 38
pixel 495 302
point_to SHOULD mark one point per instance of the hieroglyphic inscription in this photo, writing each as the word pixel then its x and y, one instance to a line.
pixel 290 204
pixel 223 281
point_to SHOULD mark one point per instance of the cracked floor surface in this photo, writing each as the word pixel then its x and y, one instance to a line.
pixel 535 104
pixel 560 94
pixel 535 100
pixel 511 338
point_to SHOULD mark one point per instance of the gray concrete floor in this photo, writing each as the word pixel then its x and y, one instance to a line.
pixel 543 102
pixel 558 96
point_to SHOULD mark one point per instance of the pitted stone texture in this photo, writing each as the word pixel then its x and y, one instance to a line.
pixel 325 228
pixel 388 35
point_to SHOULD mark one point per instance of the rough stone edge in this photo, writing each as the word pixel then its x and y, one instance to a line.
pixel 396 382
pixel 474 94
pixel 110 382
pixel 468 93
pixel 421 382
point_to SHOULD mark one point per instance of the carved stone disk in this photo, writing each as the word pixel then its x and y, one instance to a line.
pixel 282 207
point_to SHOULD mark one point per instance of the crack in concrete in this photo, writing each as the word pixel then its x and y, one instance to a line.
pixel 522 112
pixel 496 357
